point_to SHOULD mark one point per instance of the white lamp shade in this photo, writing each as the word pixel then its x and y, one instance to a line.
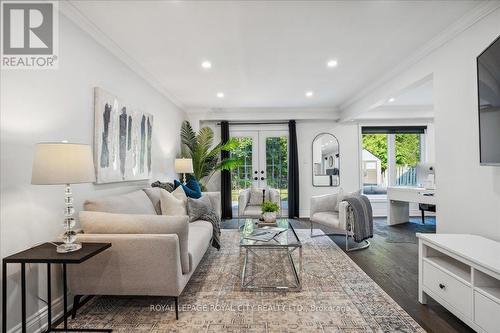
pixel 62 163
pixel 183 165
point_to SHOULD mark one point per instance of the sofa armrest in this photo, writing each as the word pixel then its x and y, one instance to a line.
pixel 109 223
pixel 135 264
pixel 343 214
pixel 274 196
pixel 323 203
pixel 215 200
pixel 243 198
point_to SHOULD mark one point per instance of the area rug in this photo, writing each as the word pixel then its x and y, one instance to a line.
pixel 336 296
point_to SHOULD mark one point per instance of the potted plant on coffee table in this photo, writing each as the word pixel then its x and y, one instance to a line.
pixel 270 211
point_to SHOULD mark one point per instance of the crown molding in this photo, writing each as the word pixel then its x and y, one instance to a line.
pixel 68 9
pixel 470 18
pixel 263 113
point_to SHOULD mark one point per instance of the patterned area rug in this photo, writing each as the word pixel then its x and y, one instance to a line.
pixel 336 296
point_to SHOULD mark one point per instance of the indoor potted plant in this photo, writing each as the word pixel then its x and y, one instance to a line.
pixel 269 211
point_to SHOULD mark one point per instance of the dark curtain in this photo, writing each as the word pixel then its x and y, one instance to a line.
pixel 293 172
pixel 227 211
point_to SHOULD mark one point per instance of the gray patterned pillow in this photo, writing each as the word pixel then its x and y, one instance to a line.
pixel 198 207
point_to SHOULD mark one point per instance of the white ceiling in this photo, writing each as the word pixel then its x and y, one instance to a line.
pixel 268 54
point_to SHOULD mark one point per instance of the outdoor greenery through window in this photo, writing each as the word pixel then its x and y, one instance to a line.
pixel 406 152
pixel 241 177
pixel 277 164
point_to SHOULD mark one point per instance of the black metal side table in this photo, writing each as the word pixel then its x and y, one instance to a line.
pixel 46 254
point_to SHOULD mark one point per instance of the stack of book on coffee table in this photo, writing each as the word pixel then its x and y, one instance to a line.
pixel 265 234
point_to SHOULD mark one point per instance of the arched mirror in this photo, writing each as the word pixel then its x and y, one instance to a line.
pixel 325 160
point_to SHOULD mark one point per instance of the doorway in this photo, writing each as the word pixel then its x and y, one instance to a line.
pixel 265 163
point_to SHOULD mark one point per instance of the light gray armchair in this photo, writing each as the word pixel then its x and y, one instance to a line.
pixel 324 212
pixel 247 209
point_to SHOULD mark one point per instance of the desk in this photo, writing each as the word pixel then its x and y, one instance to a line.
pixel 399 198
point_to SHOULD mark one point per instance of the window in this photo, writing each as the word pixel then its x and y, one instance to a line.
pixel 390 156
pixel 374 163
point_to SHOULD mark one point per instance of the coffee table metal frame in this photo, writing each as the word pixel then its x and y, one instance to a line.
pixel 287 249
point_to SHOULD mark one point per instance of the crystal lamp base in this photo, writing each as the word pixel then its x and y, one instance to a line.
pixel 68 247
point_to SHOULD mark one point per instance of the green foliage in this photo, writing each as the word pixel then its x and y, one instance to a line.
pixel 407 148
pixel 270 207
pixel 206 157
pixel 377 145
pixel 276 163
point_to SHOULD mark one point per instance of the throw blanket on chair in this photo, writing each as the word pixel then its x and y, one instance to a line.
pixel 363 217
pixel 215 220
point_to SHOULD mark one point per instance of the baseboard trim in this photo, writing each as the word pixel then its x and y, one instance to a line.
pixel 37 322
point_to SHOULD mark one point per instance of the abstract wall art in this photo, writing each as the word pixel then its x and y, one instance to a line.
pixel 122 140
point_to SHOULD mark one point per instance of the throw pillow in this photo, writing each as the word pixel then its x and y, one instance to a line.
pixel 173 204
pixel 191 188
pixel 198 207
pixel 256 196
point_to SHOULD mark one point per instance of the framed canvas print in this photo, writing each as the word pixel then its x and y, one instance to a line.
pixel 122 140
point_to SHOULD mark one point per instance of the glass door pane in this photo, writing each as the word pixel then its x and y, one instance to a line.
pixel 245 175
pixel 273 156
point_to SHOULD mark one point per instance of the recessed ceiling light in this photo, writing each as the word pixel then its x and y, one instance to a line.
pixel 206 64
pixel 309 94
pixel 332 63
pixel 392 99
pixel 220 95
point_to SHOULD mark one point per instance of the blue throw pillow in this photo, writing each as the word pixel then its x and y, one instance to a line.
pixel 192 188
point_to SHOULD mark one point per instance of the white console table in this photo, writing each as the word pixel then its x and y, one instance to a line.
pixel 462 273
pixel 399 198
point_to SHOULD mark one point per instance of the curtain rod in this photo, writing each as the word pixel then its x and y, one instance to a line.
pixel 257 123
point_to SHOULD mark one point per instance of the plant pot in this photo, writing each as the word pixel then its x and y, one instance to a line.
pixel 269 217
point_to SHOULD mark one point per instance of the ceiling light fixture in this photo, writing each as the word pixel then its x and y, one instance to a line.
pixel 206 64
pixel 392 99
pixel 332 63
pixel 220 95
pixel 309 94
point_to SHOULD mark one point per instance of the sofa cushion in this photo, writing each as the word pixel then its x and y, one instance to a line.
pixel 136 202
pixel 108 223
pixel 253 211
pixel 153 194
pixel 329 219
pixel 200 235
pixel 256 196
pixel 173 204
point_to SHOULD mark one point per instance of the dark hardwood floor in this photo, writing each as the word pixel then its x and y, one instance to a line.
pixel 392 262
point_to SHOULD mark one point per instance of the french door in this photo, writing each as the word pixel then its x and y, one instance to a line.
pixel 265 161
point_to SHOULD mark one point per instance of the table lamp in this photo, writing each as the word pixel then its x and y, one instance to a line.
pixel 64 164
pixel 183 165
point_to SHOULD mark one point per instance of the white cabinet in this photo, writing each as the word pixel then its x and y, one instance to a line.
pixel 462 273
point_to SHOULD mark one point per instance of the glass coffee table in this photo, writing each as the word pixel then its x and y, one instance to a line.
pixel 273 264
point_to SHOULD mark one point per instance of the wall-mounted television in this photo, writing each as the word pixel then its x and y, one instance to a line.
pixel 488 87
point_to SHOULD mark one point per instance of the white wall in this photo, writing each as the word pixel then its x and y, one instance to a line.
pixel 53 105
pixel 468 195
pixel 348 137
